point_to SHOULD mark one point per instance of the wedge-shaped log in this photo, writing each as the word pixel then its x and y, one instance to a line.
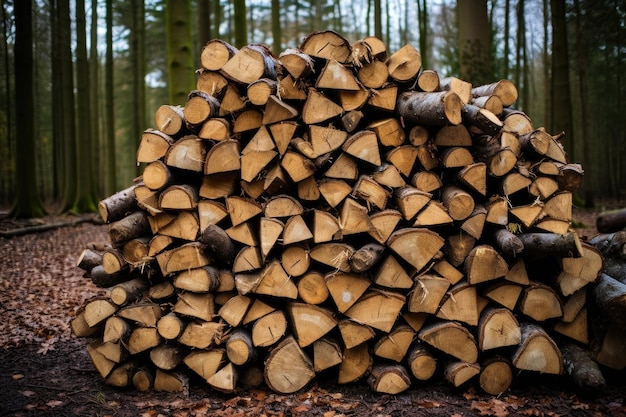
pixel 537 351
pixel 309 322
pixel 378 309
pixel 287 367
pixel 451 338
pixel 417 246
pixel 497 328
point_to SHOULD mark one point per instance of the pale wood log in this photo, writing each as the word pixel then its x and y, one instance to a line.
pixel 170 381
pixel 215 53
pixel 483 119
pixel 297 63
pixel 474 177
pixel 219 185
pixel 354 100
pixel 427 293
pixel 459 372
pixel 578 272
pixel 269 329
pixel 199 107
pixel 161 291
pixel 497 328
pixel 187 153
pixel 384 223
pixel 498 211
pixel 448 271
pixel 403 158
pixel 456 157
pixel 292 89
pixel 389 176
pixel 346 288
pixel 201 306
pixel 312 288
pixel 504 89
pixel 97 310
pixel 114 262
pixel 125 292
pixel 136 251
pixel 356 363
pixel 378 309
pixel 270 230
pixel 394 346
pixel 243 233
pixel 310 322
pixel 373 74
pixel 354 334
pixel 336 76
pixel 325 227
pixel 389 379
pixel 327 45
pixel 428 80
pixel 516 121
pixel 344 167
pixel 326 354
pixel 202 334
pixel 537 351
pixel 496 375
pixel 460 304
pixel 484 263
pixel 577 329
pixel 297 166
pixel 319 108
pixel 334 254
pixel 417 246
pixel 475 223
pixel 170 326
pixel 103 365
pixel 259 91
pixel 368 189
pixel 458 86
pixel 223 157
pixel 504 293
pixel 217 129
pixel 205 363
pixel 422 363
pixel 250 63
pixel 288 368
pixel 458 202
pixel 451 338
pixel 143 379
pixel 170 120
pixel 559 206
pixel 363 145
pixel 166 356
pixel 115 329
pixel 248 120
pixel 154 145
pixel 458 247
pixel 296 230
pixel 211 82
pixel 276 110
pixel 142 339
pixel 188 255
pixel 239 347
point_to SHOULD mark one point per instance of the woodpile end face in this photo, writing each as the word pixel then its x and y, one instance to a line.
pixel 340 210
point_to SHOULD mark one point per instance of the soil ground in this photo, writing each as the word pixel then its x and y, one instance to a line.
pixel 45 371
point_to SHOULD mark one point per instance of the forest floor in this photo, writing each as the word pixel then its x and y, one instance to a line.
pixel 45 371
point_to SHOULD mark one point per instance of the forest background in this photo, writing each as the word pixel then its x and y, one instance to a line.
pixel 80 80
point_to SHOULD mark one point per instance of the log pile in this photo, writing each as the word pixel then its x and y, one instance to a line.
pixel 338 211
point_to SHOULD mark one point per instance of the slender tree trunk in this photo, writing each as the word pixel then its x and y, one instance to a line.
pixel 139 65
pixel 204 21
pixel 217 17
pixel 561 97
pixel 378 20
pixel 179 51
pixel 338 17
pixel 94 66
pixel 111 176
pixel 84 200
pixel 241 26
pixel 277 30
pixel 507 32
pixel 422 19
pixel 474 41
pixel 6 149
pixel 57 100
pixel 547 87
pixel 69 112
pixel 27 200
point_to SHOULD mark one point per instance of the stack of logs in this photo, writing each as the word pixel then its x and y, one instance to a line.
pixel 339 211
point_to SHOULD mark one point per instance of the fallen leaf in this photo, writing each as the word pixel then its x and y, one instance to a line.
pixel 27 393
pixel 15 377
pixel 54 403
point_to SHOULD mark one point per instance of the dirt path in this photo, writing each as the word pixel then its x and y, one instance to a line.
pixel 44 371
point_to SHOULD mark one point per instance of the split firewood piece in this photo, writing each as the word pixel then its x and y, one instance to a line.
pixel 142 339
pixel 378 309
pixel 573 304
pixel 508 243
pixel 448 271
pixel 451 338
pixel 202 334
pixel 252 163
pixel 404 64
pixel 366 257
pixel 260 142
pixel 403 158
pixel 249 64
pixel 170 119
pixel 384 99
pixel 559 206
pixel 235 309
pixel 389 379
pixel 373 74
pixel 188 255
pixel 537 351
pixel 97 310
pixel 428 81
pixel 312 288
pixel 389 176
pixel 257 310
pixel 205 363
pixel 543 187
pixel 184 226
pixel 287 367
pixel 458 202
pixel 504 89
pixel 427 294
pixel 225 380
pixel 171 326
pixel 514 182
pixel 496 375
pixel 430 109
pixel 241 209
pixel 187 153
pixel 566 245
pixel 570 177
pixel 318 108
pixel 297 166
pixel 153 146
pixel 577 329
pixel 394 346
pixel 354 218
pixel 325 227
pixel 475 223
pixel 504 293
pixel 323 140
pixel 460 304
pixel 121 375
pixel 556 152
pixel 223 157
pixel 125 292
pixel 484 119
pixel 127 228
pixel 528 214
pixel 89 258
pixel 371 191
pixel 296 230
pixel 456 157
pixel 499 160
pixel 610 296
pixel 277 110
pixel 201 306
pixel 422 363
pixel 582 369
pixel 426 181
pixel 336 76
pixel 199 107
pixel 419 135
pixel 363 145
pixel 179 197
pixel 535 143
pixel 511 141
pixel 354 334
pixel 516 121
pixel 113 261
pixel 354 100
pixel 118 205
pixel 474 176
pixel 310 322
pixel 344 167
pixel 334 254
pixel 498 211
pixel 298 64
pixel 608 346
pixel 578 272
pixel 417 246
pixel 243 233
pixel 115 329
pixel 219 185
pixel 410 200
pixel 270 230
pixel 156 175
pixel 275 282
pixel 327 45
pixel 239 347
pixel 459 372
pixel 326 354
pixel 259 91
pixel 248 120
pixel 351 119
pixel 212 82
pixel 283 206
pixel 368 49
pixel 103 365
pixel 170 381
pixel 458 86
pixel 161 291
pixel 292 89
pixel 484 263
pixel 216 128
pixel 497 328
pixel 166 356
pixel 356 363
pixel 215 53
pixel 458 247
pixel 269 329
pixel 346 288
pixel 384 223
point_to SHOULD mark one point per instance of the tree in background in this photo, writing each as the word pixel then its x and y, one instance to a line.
pixel 27 200
pixel 109 115
pixel 179 50
pixel 474 42
pixel 240 23
pixel 561 98
pixel 204 21
pixel 277 32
